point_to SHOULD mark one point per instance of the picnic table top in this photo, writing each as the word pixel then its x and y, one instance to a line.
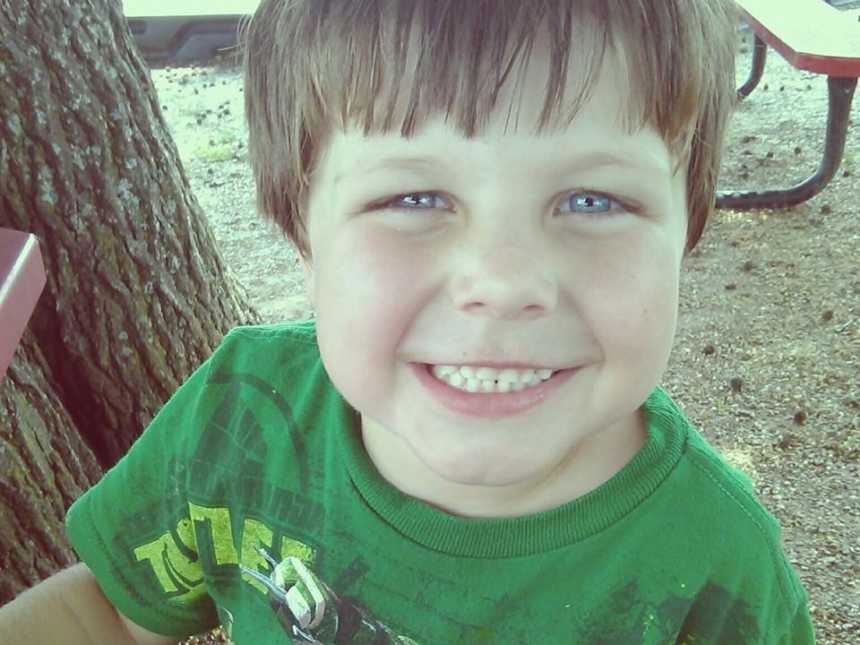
pixel 809 34
pixel 171 8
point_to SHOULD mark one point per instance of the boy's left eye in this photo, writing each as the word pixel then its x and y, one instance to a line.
pixel 591 204
pixel 586 203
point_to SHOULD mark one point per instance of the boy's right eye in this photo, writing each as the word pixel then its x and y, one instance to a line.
pixel 414 201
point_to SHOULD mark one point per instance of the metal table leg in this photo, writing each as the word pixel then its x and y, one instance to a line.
pixel 841 94
pixel 758 61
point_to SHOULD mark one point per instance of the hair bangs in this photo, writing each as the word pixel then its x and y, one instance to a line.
pixel 433 59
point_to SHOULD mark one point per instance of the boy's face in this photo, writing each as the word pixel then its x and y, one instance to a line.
pixel 500 251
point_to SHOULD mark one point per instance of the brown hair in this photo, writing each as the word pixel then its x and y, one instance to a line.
pixel 311 65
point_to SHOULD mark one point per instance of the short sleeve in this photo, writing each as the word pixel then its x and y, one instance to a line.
pixel 133 528
pixel 801 631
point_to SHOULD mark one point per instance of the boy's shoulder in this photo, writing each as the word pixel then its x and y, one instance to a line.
pixel 251 365
pixel 256 346
pixel 298 332
pixel 720 504
pixel 728 482
pixel 715 493
pixel 707 461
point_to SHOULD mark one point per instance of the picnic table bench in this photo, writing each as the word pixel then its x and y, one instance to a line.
pixel 22 278
pixel 816 37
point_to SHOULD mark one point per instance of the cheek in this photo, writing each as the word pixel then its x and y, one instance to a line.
pixel 634 302
pixel 368 292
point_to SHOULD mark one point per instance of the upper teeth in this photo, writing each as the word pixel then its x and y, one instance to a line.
pixel 483 378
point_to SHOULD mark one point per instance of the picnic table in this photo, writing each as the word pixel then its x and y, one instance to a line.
pixel 814 36
pixel 22 278
pixel 174 33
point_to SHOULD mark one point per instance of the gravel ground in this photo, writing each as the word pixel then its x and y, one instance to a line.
pixel 767 357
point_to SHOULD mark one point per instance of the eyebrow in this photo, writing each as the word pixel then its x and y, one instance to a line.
pixel 590 161
pixel 392 163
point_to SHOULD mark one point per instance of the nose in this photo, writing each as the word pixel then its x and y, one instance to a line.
pixel 506 282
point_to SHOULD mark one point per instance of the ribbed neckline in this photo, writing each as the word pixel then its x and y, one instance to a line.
pixel 545 531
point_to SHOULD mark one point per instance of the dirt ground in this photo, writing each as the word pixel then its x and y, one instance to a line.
pixel 767 357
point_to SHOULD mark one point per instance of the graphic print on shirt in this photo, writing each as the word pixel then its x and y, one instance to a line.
pixel 675 619
pixel 311 612
pixel 307 609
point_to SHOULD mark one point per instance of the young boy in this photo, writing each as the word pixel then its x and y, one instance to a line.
pixel 468 444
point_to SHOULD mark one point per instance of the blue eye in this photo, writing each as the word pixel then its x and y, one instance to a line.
pixel 417 201
pixel 590 204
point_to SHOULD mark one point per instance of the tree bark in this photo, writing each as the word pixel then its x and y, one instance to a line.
pixel 45 467
pixel 137 293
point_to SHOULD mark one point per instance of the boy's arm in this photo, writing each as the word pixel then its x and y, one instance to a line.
pixel 70 608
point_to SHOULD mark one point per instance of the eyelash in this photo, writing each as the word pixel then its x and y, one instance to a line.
pixel 396 203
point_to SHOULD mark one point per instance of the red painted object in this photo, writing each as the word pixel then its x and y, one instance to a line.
pixel 809 34
pixel 813 36
pixel 22 278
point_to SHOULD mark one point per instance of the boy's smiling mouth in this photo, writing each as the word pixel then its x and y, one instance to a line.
pixel 490 379
pixel 470 390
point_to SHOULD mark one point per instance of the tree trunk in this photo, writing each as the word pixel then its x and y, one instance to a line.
pixel 45 466
pixel 137 294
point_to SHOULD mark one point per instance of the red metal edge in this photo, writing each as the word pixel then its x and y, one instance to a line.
pixel 22 279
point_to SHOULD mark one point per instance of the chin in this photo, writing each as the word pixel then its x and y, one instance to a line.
pixel 482 469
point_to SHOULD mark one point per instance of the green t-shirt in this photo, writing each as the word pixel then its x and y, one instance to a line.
pixel 250 502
